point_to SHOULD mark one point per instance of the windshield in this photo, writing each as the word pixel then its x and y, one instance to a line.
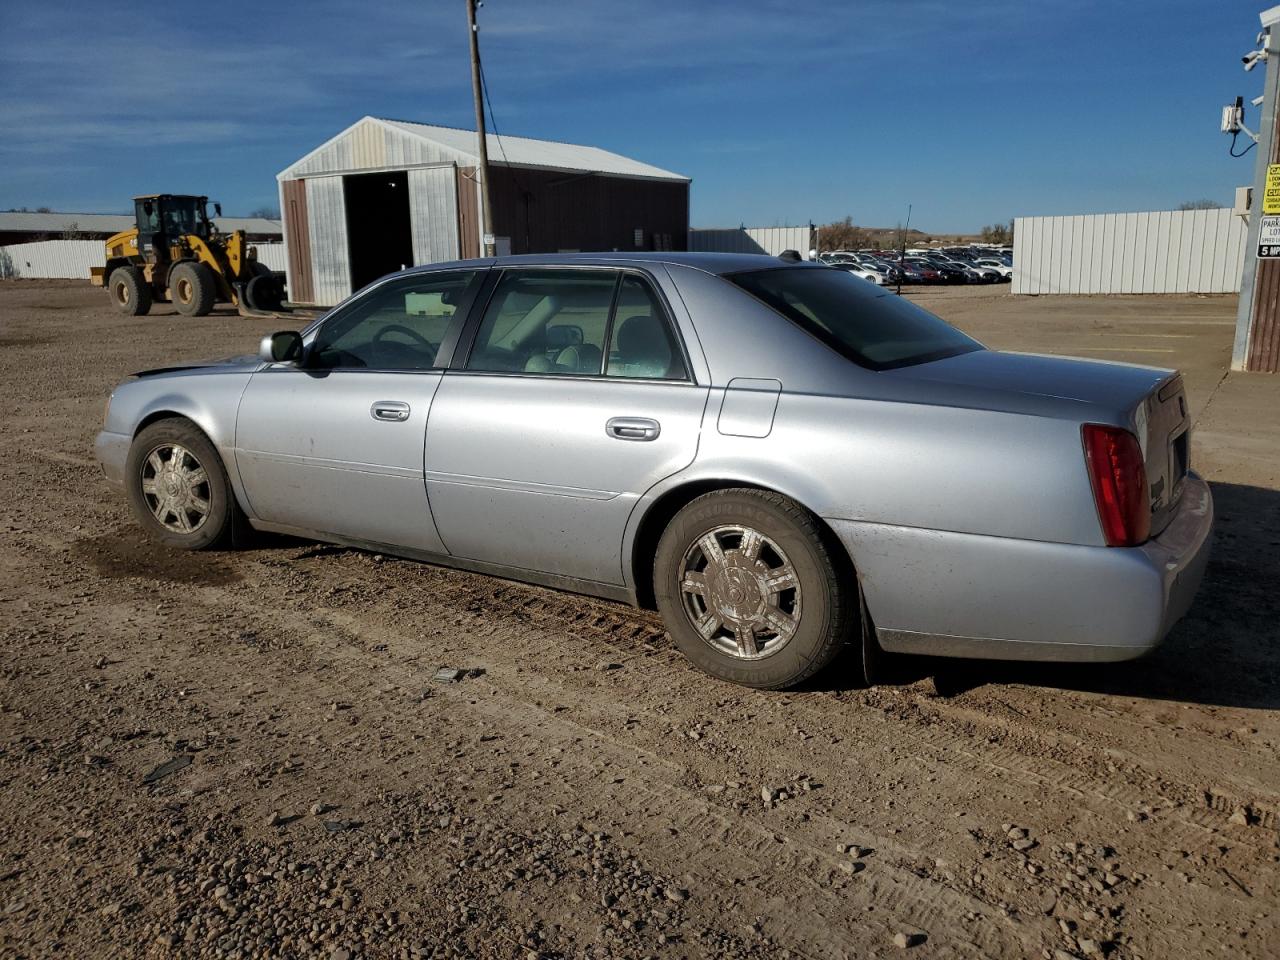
pixel 871 326
pixel 182 216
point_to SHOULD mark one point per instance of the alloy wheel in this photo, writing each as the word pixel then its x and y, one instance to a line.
pixel 740 592
pixel 175 487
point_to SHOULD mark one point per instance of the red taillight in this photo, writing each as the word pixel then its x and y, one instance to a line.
pixel 1119 479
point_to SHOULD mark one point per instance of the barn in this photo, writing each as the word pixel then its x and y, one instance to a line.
pixel 386 194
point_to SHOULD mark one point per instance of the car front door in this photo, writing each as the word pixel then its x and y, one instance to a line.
pixel 574 400
pixel 334 445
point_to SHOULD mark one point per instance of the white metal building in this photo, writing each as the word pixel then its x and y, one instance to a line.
pixel 1167 251
pixel 770 240
pixel 71 259
pixel 21 226
pixel 386 194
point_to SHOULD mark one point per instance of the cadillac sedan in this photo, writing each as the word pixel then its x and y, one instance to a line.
pixel 783 459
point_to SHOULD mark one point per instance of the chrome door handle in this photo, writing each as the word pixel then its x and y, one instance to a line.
pixel 390 410
pixel 633 428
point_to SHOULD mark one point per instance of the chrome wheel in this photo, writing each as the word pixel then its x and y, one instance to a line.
pixel 175 487
pixel 740 592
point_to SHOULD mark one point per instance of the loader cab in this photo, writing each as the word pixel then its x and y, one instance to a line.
pixel 165 218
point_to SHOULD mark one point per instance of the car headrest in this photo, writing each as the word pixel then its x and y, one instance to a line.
pixel 642 339
pixel 579 358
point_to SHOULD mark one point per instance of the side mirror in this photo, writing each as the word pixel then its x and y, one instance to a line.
pixel 217 209
pixel 284 346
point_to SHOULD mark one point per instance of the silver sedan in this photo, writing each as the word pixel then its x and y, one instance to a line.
pixel 783 459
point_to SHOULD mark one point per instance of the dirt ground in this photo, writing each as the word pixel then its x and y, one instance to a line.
pixel 244 754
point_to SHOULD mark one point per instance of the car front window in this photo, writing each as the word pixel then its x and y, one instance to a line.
pixel 397 326
pixel 869 325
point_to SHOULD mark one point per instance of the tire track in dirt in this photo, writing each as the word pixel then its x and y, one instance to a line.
pixel 821 916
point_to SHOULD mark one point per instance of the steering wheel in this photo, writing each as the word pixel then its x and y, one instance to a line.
pixel 408 332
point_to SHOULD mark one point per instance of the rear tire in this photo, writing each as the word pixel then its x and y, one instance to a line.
pixel 192 287
pixel 749 587
pixel 178 488
pixel 130 292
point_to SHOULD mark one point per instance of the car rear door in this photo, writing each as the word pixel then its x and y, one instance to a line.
pixel 335 445
pixel 574 399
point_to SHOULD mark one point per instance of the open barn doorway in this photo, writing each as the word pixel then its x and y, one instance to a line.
pixel 379 233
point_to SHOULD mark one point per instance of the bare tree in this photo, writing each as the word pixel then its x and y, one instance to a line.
pixel 72 231
pixel 1205 204
pixel 266 213
pixel 843 235
pixel 998 233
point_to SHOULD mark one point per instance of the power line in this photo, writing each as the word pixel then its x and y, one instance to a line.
pixel 525 194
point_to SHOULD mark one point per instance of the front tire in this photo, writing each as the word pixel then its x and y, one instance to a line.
pixel 130 292
pixel 750 589
pixel 178 487
pixel 192 287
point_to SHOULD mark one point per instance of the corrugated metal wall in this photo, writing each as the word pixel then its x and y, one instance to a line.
pixel 53 259
pixel 71 259
pixel 1167 251
pixel 433 214
pixel 327 232
pixel 770 240
pixel 543 211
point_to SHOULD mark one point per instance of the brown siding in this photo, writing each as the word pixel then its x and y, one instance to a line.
pixel 468 214
pixel 545 211
pixel 301 287
pixel 1264 331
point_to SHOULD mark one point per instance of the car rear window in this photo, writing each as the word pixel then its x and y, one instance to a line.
pixel 868 324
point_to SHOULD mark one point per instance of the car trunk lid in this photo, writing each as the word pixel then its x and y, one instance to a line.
pixel 1153 398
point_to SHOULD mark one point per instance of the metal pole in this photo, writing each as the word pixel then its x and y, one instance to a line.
pixel 902 248
pixel 478 95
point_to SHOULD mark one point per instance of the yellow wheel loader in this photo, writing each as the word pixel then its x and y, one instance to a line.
pixel 176 253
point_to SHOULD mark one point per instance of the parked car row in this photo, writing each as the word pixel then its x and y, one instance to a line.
pixel 945 265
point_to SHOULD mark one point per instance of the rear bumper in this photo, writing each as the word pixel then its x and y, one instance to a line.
pixel 954 594
pixel 111 450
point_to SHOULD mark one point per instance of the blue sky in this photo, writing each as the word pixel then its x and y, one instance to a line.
pixel 781 112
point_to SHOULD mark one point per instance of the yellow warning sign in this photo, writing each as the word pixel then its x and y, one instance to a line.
pixel 1271 192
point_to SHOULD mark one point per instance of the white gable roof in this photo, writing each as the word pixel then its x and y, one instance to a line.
pixel 377 142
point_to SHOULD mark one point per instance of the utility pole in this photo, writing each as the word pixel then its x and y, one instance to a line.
pixel 902 248
pixel 1257 340
pixel 477 93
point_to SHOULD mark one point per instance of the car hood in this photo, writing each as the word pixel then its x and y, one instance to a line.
pixel 1103 382
pixel 247 361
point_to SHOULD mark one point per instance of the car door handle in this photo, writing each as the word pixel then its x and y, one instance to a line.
pixel 633 428
pixel 391 410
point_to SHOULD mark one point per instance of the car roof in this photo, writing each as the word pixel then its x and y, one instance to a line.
pixel 716 263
